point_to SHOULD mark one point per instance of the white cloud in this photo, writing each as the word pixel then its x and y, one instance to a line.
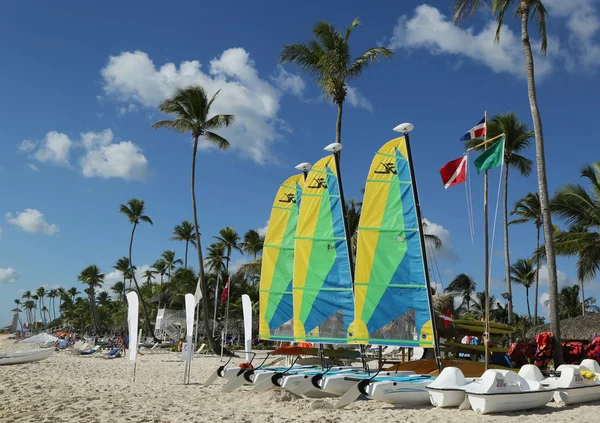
pixel 33 167
pixel 447 251
pixel 429 29
pixel 130 108
pixel 583 23
pixel 236 264
pixel 263 231
pixel 111 278
pixel 544 296
pixel 563 278
pixel 26 146
pixel 55 148
pixel 32 220
pixel 9 275
pixel 289 82
pixel 356 99
pixel 132 77
pixel 103 157
pixel 106 159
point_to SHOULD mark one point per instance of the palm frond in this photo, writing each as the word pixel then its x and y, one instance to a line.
pixel 174 107
pixel 146 219
pixel 306 56
pixel 539 14
pixel 522 164
pixel 372 55
pixel 219 121
pixel 326 34
pixel 217 140
pixel 180 125
pixel 500 7
pixel 464 8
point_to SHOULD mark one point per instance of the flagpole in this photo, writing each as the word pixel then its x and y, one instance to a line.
pixel 487 256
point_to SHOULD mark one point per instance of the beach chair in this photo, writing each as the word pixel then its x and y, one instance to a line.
pixel 114 353
pixel 200 350
pixel 77 349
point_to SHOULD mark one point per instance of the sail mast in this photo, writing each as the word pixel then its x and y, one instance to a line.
pixel 406 128
pixel 487 256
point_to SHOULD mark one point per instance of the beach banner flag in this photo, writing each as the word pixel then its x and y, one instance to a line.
pixel 190 304
pixel 454 172
pixel 198 293
pixel 477 131
pixel 492 157
pixel 247 310
pixel 132 322
pixel 225 293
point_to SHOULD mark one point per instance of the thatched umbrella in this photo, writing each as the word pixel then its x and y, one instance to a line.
pixel 582 328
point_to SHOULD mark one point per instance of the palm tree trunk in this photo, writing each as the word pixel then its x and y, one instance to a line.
pixel 506 249
pixel 205 316
pixel 527 297
pixel 537 278
pixel 92 298
pixel 543 185
pixel 137 288
pixel 124 289
pixel 186 254
pixel 582 298
pixel 338 124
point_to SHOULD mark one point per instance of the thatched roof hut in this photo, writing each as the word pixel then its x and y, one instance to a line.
pixel 443 302
pixel 582 328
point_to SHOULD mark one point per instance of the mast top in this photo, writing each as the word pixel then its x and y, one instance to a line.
pixel 405 128
pixel 304 167
pixel 333 147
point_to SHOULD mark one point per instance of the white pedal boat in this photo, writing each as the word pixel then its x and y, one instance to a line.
pixel 408 390
pixel 499 391
pixel 337 385
pixel 293 378
pixel 20 357
pixel 448 390
pixel 575 385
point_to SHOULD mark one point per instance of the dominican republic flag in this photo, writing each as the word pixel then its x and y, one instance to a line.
pixel 454 172
pixel 225 293
pixel 476 132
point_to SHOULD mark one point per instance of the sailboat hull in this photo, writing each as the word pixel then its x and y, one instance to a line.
pixel 21 357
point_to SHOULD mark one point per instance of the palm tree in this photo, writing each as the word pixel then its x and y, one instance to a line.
pixel 185 232
pixel 253 243
pixel 149 275
pixel 528 10
pixel 523 272
pixel 29 305
pixel 569 304
pixel 517 138
pixel 119 289
pixel 327 58
pixel 62 292
pixel 35 299
pixel 170 261
pixel 134 211
pixel 190 107
pixel 92 276
pixel 464 286
pixel 52 294
pixel 581 211
pixel 214 261
pixel 229 238
pixel 103 298
pixel 529 209
pixel 479 304
pixel 73 292
pixel 19 304
pixel 41 293
pixel 160 267
pixel 124 267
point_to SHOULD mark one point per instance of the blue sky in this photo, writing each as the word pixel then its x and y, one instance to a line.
pixel 81 83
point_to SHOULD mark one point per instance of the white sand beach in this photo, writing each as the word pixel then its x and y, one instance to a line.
pixel 70 388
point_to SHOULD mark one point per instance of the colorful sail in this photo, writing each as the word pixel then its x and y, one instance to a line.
pixel 391 297
pixel 323 300
pixel 276 312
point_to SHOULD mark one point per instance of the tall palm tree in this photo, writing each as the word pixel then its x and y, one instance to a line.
pixel 160 267
pixel 569 303
pixel 523 272
pixel 29 305
pixel 92 277
pixel 52 294
pixel 535 11
pixel 103 298
pixel 252 243
pixel 464 286
pixel 149 276
pixel 119 289
pixel 41 293
pixel 581 211
pixel 27 296
pixel 185 232
pixel 479 304
pixel 134 211
pixel 122 265
pixel 35 299
pixel 517 138
pixel 327 58
pixel 170 261
pixel 528 209
pixel 190 107
pixel 61 294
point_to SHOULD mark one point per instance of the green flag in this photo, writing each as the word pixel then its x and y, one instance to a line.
pixel 492 157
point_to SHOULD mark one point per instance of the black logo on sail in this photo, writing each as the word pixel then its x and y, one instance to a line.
pixel 388 168
pixel 320 183
pixel 288 198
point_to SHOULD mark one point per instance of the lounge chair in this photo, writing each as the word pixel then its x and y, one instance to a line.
pixel 114 353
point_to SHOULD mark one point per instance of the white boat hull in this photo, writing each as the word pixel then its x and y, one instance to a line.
pixel 337 385
pixel 577 395
pixel 400 393
pixel 500 403
pixel 292 381
pixel 444 398
pixel 20 357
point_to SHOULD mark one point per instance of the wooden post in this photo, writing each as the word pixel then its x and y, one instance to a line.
pixel 486 335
